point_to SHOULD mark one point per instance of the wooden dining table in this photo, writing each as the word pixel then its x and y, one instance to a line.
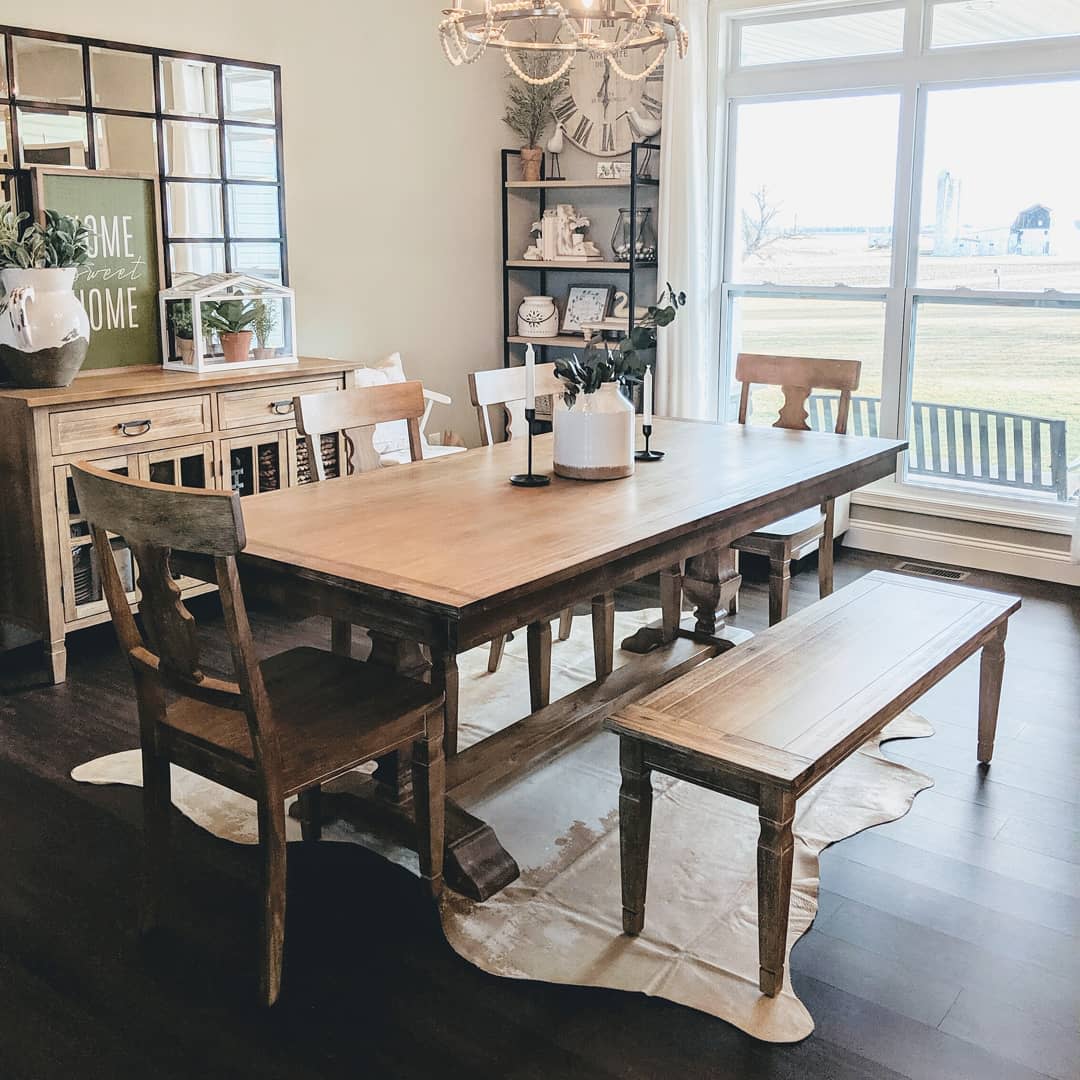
pixel 438 557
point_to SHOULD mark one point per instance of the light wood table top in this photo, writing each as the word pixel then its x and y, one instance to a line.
pixel 453 534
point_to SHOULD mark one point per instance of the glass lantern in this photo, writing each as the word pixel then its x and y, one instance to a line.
pixel 237 320
pixel 634 230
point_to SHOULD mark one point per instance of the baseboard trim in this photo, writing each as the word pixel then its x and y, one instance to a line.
pixel 1021 560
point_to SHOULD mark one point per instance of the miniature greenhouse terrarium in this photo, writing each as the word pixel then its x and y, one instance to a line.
pixel 234 319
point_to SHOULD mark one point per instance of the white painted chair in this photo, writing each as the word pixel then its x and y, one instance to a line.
pixel 504 388
pixel 392 439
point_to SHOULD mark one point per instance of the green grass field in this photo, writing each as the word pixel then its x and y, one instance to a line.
pixel 1012 359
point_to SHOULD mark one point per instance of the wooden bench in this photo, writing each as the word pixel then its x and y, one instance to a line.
pixel 768 720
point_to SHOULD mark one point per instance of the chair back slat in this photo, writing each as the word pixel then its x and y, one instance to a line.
pixel 505 387
pixel 153 520
pixel 798 377
pixel 355 413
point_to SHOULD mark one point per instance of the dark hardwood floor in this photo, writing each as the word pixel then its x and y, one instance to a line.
pixel 946 945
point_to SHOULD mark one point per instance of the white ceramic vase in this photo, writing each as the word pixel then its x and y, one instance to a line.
pixel 595 439
pixel 44 329
pixel 538 317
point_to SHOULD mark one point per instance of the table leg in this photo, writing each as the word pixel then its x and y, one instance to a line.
pixel 710 583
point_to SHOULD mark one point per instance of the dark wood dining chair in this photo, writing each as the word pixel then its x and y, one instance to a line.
pixel 269 729
pixel 795 536
pixel 504 388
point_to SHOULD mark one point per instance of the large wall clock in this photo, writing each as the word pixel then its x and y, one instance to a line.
pixel 594 110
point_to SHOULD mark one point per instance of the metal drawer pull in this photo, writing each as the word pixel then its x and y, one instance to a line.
pixel 143 427
pixel 282 408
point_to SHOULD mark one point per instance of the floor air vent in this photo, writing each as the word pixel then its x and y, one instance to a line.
pixel 942 573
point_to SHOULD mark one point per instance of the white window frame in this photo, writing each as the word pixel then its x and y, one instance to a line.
pixel 911 74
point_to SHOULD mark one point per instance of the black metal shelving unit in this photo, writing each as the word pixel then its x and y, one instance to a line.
pixel 631 269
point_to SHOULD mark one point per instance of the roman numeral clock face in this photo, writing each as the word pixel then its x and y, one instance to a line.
pixel 593 111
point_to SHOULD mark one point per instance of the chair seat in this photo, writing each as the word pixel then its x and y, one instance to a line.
pixel 796 530
pixel 401 457
pixel 331 713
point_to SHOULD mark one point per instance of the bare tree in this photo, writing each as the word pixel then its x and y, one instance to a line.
pixel 755 226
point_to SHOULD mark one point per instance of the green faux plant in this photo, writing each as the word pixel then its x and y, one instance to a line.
pixel 62 242
pixel 528 107
pixel 181 319
pixel 265 322
pixel 229 316
pixel 627 363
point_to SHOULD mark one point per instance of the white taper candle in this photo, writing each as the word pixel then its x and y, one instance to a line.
pixel 530 377
pixel 647 406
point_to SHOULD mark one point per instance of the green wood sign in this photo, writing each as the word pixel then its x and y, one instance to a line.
pixel 119 285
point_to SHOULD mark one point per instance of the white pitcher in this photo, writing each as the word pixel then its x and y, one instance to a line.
pixel 595 439
pixel 44 330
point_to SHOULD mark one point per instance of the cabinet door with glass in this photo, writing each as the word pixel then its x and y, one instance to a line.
pixel 252 464
pixel 333 451
pixel 80 571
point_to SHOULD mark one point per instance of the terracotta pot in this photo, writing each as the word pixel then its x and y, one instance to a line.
pixel 263 353
pixel 595 439
pixel 44 331
pixel 186 346
pixel 532 158
pixel 236 346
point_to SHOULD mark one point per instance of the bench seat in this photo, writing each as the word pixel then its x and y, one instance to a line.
pixel 766 721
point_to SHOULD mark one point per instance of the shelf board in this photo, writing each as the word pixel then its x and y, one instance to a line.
pixel 587 267
pixel 561 341
pixel 570 185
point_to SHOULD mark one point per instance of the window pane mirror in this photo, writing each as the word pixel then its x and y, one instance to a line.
pixel 192 149
pixel 49 71
pixel 249 94
pixel 196 259
pixel 262 260
pixel 188 87
pixel 194 210
pixel 253 211
pixel 122 80
pixel 125 143
pixel 250 153
pixel 53 138
pixel 7 159
pixel 3 66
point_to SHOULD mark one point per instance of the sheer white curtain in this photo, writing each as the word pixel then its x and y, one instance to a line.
pixel 691 216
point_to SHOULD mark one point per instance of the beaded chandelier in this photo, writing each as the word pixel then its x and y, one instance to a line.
pixel 551 34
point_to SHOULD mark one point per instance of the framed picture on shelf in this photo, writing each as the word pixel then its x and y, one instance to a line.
pixel 613 170
pixel 586 303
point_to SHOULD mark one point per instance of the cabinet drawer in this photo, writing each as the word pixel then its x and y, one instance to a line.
pixel 265 404
pixel 130 424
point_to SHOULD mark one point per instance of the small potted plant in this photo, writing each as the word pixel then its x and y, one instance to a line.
pixel 44 328
pixel 264 325
pixel 180 317
pixel 231 320
pixel 528 112
pixel 594 419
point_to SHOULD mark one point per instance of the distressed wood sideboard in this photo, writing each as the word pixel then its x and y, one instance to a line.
pixel 221 429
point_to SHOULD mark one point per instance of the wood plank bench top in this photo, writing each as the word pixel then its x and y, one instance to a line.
pixel 796 700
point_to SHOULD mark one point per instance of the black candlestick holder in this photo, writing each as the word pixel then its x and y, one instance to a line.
pixel 647 454
pixel 530 479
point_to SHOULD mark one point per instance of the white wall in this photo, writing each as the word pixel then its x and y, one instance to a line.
pixel 391 170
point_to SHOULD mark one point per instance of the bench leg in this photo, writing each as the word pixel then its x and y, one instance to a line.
pixel 635 823
pixel 538 640
pixel 776 848
pixel 779 589
pixel 671 601
pixel 992 667
pixel 603 634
